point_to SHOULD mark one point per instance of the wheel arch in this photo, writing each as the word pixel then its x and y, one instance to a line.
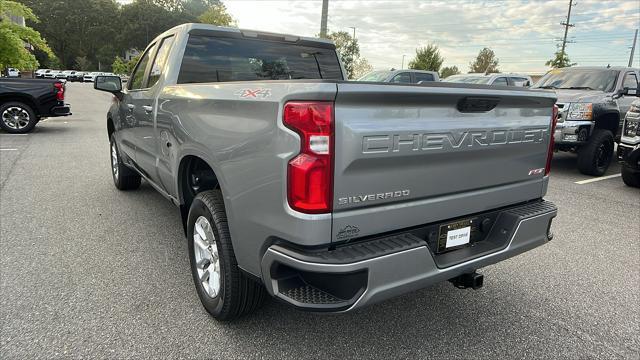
pixel 194 175
pixel 608 121
pixel 110 126
pixel 26 99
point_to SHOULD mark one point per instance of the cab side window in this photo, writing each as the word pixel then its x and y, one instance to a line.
pixel 500 81
pixel 404 78
pixel 137 78
pixel 160 61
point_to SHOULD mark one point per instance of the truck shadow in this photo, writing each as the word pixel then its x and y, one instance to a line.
pixel 567 164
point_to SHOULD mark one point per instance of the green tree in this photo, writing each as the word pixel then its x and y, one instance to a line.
pixel 361 67
pixel 120 66
pixel 348 48
pixel 217 15
pixel 448 71
pixel 427 58
pixel 14 37
pixel 76 28
pixel 83 63
pixel 142 20
pixel 486 62
pixel 560 60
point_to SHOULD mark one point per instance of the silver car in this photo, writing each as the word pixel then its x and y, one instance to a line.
pixel 492 79
pixel 401 76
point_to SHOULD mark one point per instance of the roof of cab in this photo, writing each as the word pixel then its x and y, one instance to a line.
pixel 189 27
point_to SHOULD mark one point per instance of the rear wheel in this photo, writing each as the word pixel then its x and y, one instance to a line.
pixel 17 117
pixel 123 177
pixel 225 292
pixel 630 177
pixel 595 157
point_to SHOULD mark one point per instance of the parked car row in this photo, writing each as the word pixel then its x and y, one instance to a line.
pixel 71 75
pixel 419 76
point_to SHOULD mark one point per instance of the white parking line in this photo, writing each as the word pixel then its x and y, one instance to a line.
pixel 8 149
pixel 582 182
pixel 14 134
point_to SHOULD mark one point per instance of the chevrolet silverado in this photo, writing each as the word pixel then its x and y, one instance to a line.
pixel 324 193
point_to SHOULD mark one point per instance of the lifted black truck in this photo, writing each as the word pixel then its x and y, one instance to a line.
pixel 592 103
pixel 24 102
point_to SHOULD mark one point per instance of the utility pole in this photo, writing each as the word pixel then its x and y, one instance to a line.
pixel 354 31
pixel 567 25
pixel 323 20
pixel 633 48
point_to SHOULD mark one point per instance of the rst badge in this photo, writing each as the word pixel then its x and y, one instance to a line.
pixel 539 171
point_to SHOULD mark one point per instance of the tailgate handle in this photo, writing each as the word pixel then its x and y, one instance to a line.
pixel 477 104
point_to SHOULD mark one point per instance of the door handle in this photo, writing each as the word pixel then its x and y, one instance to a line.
pixel 148 109
pixel 131 107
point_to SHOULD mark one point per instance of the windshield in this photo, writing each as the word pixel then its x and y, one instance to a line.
pixel 468 79
pixel 375 76
pixel 579 79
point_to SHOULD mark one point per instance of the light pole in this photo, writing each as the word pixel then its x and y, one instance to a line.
pixel 402 66
pixel 323 18
pixel 354 31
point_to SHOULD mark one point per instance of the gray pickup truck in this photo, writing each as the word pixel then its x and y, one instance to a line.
pixel 324 193
pixel 592 103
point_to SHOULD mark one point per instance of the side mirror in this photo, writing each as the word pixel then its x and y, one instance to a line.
pixel 111 84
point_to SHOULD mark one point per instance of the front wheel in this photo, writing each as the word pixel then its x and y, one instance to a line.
pixel 224 291
pixel 595 157
pixel 630 177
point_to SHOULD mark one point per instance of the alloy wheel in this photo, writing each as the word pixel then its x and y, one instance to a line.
pixel 16 117
pixel 207 257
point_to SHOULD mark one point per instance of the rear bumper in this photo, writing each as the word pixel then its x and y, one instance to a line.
pixel 62 110
pixel 367 272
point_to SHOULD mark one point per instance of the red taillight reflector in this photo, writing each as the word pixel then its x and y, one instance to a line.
pixel 310 174
pixel 59 87
pixel 554 122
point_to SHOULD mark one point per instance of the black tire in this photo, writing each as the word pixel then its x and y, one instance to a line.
pixel 629 177
pixel 595 157
pixel 123 177
pixel 238 294
pixel 25 112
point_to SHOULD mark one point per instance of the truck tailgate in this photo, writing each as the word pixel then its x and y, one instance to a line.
pixel 410 155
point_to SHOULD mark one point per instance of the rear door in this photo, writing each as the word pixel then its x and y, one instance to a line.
pixel 409 155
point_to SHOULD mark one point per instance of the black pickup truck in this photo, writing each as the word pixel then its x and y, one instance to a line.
pixel 24 102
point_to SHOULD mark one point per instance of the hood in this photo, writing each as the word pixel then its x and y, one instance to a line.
pixel 567 96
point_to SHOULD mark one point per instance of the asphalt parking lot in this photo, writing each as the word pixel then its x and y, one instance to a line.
pixel 88 271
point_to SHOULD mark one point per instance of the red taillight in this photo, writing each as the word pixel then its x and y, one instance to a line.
pixel 59 87
pixel 310 174
pixel 554 121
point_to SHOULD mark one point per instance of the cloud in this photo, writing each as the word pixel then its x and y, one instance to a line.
pixel 521 32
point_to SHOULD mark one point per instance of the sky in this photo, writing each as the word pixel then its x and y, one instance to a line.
pixel 523 33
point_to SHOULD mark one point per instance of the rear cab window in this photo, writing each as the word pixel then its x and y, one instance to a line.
pixel 630 80
pixel 423 77
pixel 160 61
pixel 221 59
